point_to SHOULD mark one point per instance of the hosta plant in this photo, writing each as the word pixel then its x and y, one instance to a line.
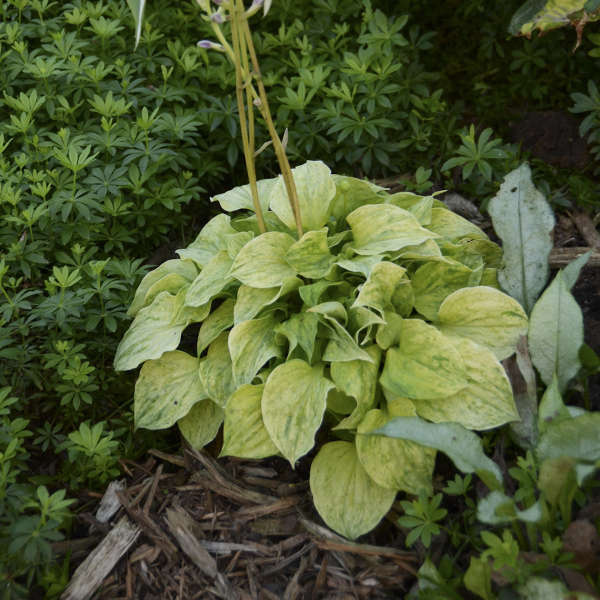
pixel 386 306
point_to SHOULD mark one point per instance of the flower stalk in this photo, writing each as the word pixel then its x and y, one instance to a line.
pixel 242 53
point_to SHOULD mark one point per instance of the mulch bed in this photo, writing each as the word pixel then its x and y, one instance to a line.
pixel 190 527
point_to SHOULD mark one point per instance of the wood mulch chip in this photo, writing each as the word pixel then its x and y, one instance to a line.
pixel 190 527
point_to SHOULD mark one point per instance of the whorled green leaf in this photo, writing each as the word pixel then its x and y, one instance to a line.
pixel 486 316
pixel 171 276
pixel 300 330
pixel 463 447
pixel 211 281
pixel 156 329
pixel 240 198
pixel 293 404
pixel 244 433
pixel 434 281
pixel 316 189
pixel 350 193
pixel 201 425
pixel 251 346
pixel 379 228
pixel 577 438
pixel 393 463
pixel 166 390
pixel 485 402
pixel 453 227
pixel 250 301
pixel 524 221
pixel 357 379
pixel 556 334
pixel 261 262
pixel 384 288
pixel 551 14
pixel 347 499
pixel 217 322
pixel 216 371
pixel 478 578
pixel 210 241
pixel 425 364
pixel 310 256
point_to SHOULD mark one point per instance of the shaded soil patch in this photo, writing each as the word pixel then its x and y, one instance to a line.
pixel 203 528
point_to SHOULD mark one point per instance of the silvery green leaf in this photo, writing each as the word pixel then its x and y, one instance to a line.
pixel 379 228
pixel 463 447
pixel 210 241
pixel 433 282
pixel 211 281
pixel 156 329
pixel 315 188
pixel 293 405
pixel 171 276
pixel 422 210
pixel 250 301
pixel 524 221
pixel 425 364
pixel 166 390
pixel 551 407
pixel 240 197
pixel 251 345
pixel 261 262
pixel 217 322
pixel 486 316
pixel 428 250
pixel 571 272
pixel 310 256
pixel 556 334
pixel 498 508
pixel 216 371
pixel 347 499
pixel 244 432
pixel 453 227
pixel 200 426
pixel 300 330
pixel 577 438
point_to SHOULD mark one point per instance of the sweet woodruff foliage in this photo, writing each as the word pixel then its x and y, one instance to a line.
pixel 388 306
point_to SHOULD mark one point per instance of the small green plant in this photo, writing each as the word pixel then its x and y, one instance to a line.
pixel 422 516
